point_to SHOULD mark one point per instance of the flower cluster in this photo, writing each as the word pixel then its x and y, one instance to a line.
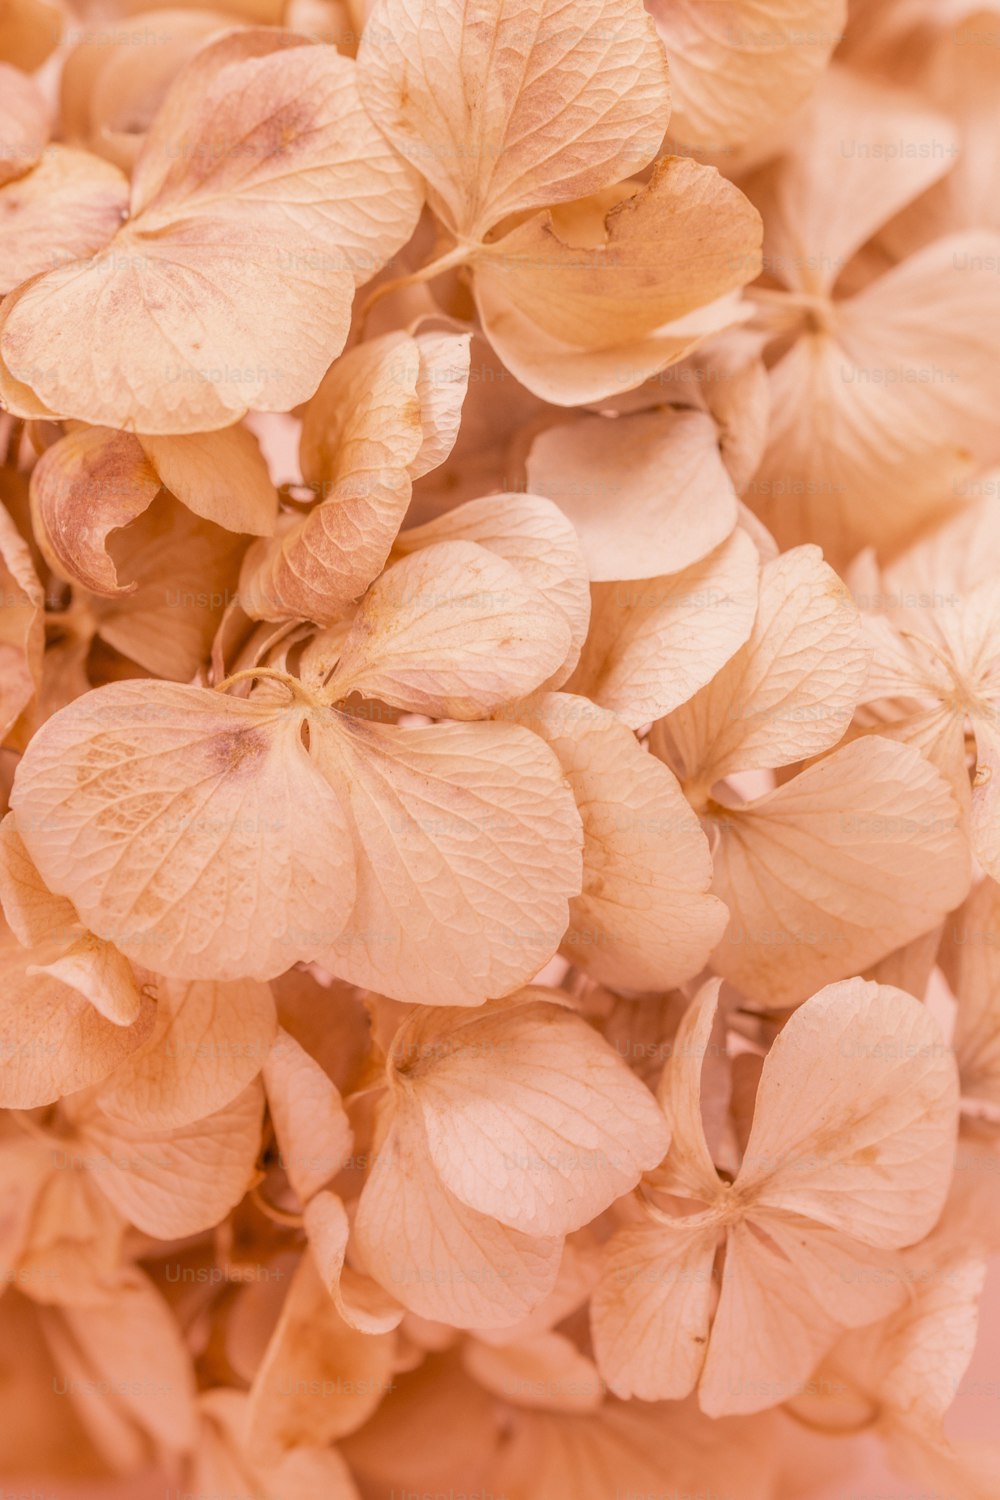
pixel 500 714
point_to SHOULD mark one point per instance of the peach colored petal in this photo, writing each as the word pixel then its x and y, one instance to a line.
pixel 53 1039
pixel 75 1249
pixel 114 80
pixel 530 1117
pixel 319 1378
pixel 654 642
pixel 90 483
pixel 97 971
pixel 545 1372
pixel 367 415
pixel 647 493
pixel 66 209
pixel 861 151
pixel 381 414
pixel 644 919
pixel 33 913
pixel 22 630
pixel 359 1300
pixel 532 534
pixel 615 272
pixel 468 848
pixel 221 476
pixel 504 109
pixel 311 1125
pixel 25 123
pixel 170 1182
pixel 855 856
pixel 442 384
pixel 876 421
pixel 452 631
pixel 209 1042
pixel 736 69
pixel 788 1288
pixel 220 1465
pixel 960 77
pixel 210 231
pixel 856 1116
pixel 985 825
pixel 791 690
pixel 186 573
pixel 652 1309
pixel 118 1345
pixel 689 1170
pixel 439 1258
pixel 29 31
pixel 971 963
pixel 159 842
pixel 566 373
pixel 626 1448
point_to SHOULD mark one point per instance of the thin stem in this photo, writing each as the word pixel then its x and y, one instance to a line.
pixel 277 1215
pixel 457 256
pixel 835 1429
pixel 272 674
